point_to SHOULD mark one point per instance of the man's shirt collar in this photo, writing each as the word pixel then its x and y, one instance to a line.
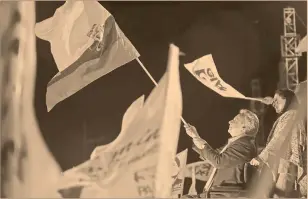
pixel 232 139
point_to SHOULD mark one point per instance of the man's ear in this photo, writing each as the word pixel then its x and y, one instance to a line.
pixel 244 130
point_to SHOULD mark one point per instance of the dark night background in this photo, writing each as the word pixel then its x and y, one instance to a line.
pixel 244 38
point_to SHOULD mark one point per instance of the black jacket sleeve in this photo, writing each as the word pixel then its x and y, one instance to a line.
pixel 237 153
pixel 195 148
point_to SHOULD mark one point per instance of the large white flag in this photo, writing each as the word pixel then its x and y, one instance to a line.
pixel 140 164
pixel 178 174
pixel 128 117
pixel 28 169
pixel 204 69
pixel 74 184
pixel 86 44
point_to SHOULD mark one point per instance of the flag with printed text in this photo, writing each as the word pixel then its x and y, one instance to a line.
pixel 140 163
pixel 202 170
pixel 205 71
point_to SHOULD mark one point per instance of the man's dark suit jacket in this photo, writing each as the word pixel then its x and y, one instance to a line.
pixel 230 163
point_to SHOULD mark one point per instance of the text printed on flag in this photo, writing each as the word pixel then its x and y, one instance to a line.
pixel 209 75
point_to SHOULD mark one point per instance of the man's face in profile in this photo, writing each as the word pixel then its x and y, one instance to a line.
pixel 236 126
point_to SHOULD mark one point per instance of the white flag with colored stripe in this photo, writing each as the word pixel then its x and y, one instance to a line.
pixel 86 44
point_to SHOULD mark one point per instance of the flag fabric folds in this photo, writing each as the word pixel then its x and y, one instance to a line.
pixel 192 189
pixel 204 70
pixel 140 163
pixel 78 184
pixel 86 44
pixel 202 170
pixel 28 168
pixel 178 174
pixel 302 46
pixel 128 117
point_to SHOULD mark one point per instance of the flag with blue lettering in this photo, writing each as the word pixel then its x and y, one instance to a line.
pixel 205 71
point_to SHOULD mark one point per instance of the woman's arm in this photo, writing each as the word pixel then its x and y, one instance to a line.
pixel 279 136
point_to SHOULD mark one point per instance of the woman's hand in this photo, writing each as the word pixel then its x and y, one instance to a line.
pixel 191 131
pixel 267 100
pixel 254 162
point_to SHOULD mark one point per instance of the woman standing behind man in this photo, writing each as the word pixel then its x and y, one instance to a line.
pixel 292 166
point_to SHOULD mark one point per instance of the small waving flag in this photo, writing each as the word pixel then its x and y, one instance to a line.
pixel 204 70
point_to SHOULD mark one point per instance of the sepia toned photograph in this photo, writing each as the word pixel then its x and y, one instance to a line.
pixel 153 99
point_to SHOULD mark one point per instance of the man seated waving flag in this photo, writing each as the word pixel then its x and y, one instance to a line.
pixel 229 161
